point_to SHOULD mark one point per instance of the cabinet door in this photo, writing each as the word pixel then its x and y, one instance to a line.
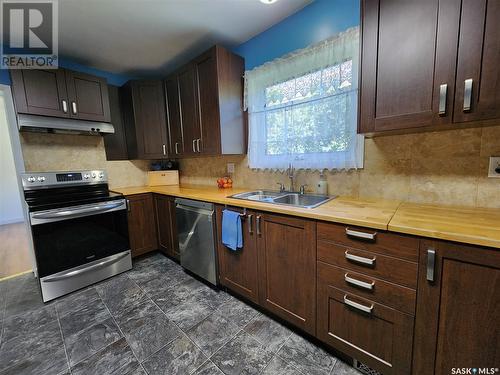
pixel 238 269
pixel 141 224
pixel 150 119
pixel 174 116
pixel 189 109
pixel 40 92
pixel 478 57
pixel 206 75
pixel 408 53
pixel 88 97
pixel 165 218
pixel 116 144
pixel 287 268
pixel 457 301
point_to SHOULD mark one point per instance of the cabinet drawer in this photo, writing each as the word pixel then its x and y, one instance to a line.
pixel 391 244
pixel 398 297
pixel 371 264
pixel 380 337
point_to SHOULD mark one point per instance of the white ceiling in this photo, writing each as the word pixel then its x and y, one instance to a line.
pixel 143 37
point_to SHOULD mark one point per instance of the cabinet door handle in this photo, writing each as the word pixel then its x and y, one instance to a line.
pixel 164 149
pixel 358 259
pixel 250 228
pixel 356 282
pixel 362 235
pixel 73 108
pixel 64 106
pixel 127 202
pixel 194 145
pixel 257 224
pixel 358 306
pixel 467 94
pixel 177 148
pixel 431 264
pixel 198 144
pixel 443 90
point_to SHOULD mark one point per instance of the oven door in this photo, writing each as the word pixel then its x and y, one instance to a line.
pixel 71 237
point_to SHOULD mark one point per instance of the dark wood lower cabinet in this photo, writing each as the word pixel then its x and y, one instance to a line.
pixel 141 224
pixel 287 268
pixel 166 225
pixel 238 269
pixel 458 309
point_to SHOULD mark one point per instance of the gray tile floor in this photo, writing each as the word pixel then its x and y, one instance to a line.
pixel 154 319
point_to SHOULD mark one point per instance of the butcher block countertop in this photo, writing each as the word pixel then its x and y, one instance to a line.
pixel 476 226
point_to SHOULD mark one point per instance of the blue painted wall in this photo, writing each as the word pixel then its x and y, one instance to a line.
pixel 113 79
pixel 314 23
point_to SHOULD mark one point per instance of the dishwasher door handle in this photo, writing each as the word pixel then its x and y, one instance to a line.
pixel 197 210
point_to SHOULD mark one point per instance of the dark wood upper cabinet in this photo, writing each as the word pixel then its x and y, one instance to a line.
pixel 238 269
pixel 428 63
pixel 143 107
pixel 287 268
pixel 141 224
pixel 174 116
pixel 61 93
pixel 40 92
pixel 457 302
pixel 478 70
pixel 408 52
pixel 166 225
pixel 188 103
pixel 204 104
pixel 115 144
pixel 88 97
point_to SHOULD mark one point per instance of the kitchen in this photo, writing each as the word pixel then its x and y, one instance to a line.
pixel 268 187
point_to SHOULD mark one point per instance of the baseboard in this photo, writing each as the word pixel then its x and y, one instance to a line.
pixel 12 220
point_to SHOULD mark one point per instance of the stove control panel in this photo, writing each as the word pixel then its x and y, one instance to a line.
pixel 37 180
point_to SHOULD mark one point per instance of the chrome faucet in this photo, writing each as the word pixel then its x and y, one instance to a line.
pixel 282 186
pixel 291 175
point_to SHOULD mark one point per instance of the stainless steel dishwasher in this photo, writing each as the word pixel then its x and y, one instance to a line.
pixel 195 225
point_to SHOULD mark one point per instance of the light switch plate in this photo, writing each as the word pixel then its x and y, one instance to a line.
pixel 494 167
pixel 230 167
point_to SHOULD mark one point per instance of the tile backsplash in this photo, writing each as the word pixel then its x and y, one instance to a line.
pixel 55 152
pixel 448 167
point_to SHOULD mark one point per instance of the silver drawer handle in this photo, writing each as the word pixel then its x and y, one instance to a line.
pixel 250 228
pixel 431 264
pixel 65 106
pixel 358 306
pixel 164 148
pixel 443 89
pixel 73 107
pixel 177 148
pixel 358 234
pixel 194 145
pixel 358 259
pixel 356 282
pixel 467 94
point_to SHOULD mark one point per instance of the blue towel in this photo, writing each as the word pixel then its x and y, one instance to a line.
pixel 232 233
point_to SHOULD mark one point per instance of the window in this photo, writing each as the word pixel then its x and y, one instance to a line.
pixel 302 108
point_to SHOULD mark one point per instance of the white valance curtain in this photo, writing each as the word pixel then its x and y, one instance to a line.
pixel 303 108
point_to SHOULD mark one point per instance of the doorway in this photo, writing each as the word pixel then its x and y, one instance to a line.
pixel 15 238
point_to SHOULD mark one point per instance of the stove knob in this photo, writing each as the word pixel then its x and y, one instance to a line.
pixel 101 175
pixel 86 176
pixel 41 179
pixel 31 179
pixel 94 175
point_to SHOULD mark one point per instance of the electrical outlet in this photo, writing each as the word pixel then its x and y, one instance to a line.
pixel 494 170
pixel 230 168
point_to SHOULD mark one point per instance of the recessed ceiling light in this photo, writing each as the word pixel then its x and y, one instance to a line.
pixel 268 1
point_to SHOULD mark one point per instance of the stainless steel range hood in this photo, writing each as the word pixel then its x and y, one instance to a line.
pixel 44 124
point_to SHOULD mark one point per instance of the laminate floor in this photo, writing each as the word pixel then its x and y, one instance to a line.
pixel 14 249
pixel 154 319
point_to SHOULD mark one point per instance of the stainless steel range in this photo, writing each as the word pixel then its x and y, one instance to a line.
pixel 79 229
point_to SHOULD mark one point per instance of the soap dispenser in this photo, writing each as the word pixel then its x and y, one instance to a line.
pixel 322 186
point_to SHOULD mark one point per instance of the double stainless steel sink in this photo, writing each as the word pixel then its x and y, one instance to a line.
pixel 285 198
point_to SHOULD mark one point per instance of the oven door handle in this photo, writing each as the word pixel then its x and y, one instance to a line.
pixel 47 217
pixel 86 268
